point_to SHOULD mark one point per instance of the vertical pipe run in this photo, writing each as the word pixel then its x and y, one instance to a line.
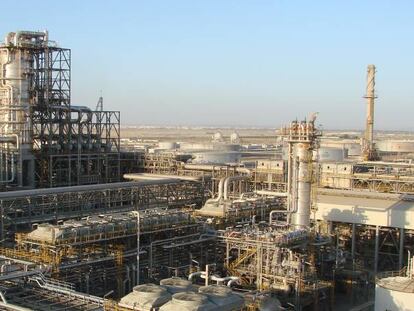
pixel 353 242
pixel 401 250
pixel 376 249
pixel 138 246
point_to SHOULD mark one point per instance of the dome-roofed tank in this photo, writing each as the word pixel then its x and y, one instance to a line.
pixel 189 301
pixel 177 285
pixel 145 297
pixel 223 297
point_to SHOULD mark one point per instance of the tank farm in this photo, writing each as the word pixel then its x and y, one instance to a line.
pixel 93 221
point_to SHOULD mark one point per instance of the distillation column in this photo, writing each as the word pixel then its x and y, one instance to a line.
pixel 301 217
pixel 16 142
pixel 302 139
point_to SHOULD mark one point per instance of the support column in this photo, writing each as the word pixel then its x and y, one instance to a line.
pixel 376 249
pixel 353 241
pixel 401 250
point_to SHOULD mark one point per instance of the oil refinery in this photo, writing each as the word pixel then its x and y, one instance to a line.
pixel 93 220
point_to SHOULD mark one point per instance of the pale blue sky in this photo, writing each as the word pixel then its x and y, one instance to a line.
pixel 234 63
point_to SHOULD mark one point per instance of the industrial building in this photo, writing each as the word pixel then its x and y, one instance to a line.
pixel 306 222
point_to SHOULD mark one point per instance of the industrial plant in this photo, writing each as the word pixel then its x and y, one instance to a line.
pixel 302 219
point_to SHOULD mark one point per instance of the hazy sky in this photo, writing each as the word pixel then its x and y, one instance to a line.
pixel 234 63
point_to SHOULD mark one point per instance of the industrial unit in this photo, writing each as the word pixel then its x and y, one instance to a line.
pixel 90 224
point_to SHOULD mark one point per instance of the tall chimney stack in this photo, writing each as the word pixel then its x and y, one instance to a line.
pixel 369 149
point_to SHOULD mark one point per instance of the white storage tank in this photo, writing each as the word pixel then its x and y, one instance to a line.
pixel 353 147
pixel 177 285
pixel 223 297
pixel 167 145
pixel 189 301
pixel 394 293
pixel 395 145
pixel 145 297
pixel 216 157
pixel 330 154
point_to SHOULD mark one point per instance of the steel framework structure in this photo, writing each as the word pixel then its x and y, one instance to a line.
pixel 72 145
pixel 21 209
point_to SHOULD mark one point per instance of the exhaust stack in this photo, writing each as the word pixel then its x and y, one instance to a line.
pixel 369 151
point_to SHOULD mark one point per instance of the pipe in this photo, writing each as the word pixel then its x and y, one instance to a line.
pixel 81 188
pixel 226 279
pixel 271 193
pixel 220 191
pixel 13 174
pixel 146 176
pixel 194 274
pixel 233 279
pixel 279 211
pixel 231 179
pixel 10 306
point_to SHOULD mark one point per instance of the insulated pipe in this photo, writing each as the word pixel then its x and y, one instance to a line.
pixel 220 191
pixel 279 211
pixel 13 172
pixel 231 179
pixel 14 138
pixel 224 280
pixel 194 274
pixel 271 193
pixel 233 280
pixel 146 176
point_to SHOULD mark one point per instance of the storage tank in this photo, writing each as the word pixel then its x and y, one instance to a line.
pixel 167 145
pixel 394 293
pixel 189 301
pixel 395 145
pixel 145 298
pixel 177 285
pixel 330 154
pixel 353 147
pixel 216 157
pixel 223 297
